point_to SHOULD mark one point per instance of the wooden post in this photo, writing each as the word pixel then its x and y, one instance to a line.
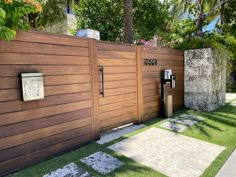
pixel 94 89
pixel 168 106
pixel 139 60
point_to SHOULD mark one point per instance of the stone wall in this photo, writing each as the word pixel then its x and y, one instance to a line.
pixel 205 79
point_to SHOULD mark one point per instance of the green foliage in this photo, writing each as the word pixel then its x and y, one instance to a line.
pixel 202 12
pixel 229 15
pixel 183 31
pixel 5 32
pixel 106 16
pixel 14 16
pixel 53 12
pixel 150 18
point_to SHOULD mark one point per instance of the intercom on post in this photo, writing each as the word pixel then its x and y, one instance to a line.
pixel 166 77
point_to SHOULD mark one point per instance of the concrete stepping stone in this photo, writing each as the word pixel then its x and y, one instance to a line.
pixel 172 154
pixel 229 168
pixel 118 132
pixel 191 117
pixel 181 123
pixel 102 162
pixel 173 126
pixel 70 170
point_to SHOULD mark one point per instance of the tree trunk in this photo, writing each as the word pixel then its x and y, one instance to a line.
pixel 222 13
pixel 128 21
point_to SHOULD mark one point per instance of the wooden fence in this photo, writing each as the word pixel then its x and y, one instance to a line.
pixel 73 111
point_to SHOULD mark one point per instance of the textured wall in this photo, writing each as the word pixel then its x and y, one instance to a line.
pixel 205 79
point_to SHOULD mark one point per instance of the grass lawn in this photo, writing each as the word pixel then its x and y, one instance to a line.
pixel 219 127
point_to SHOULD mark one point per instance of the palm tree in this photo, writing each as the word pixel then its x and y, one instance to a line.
pixel 128 21
pixel 202 11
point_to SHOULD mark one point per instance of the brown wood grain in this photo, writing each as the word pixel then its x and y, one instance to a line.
pixel 119 69
pixel 166 51
pixel 63 89
pixel 18 139
pixel 27 126
pixel 10 94
pixel 40 59
pixel 151 116
pixel 116 98
pixel 118 112
pixel 10 106
pixel 94 90
pixel 116 77
pixel 120 91
pixel 162 57
pixel 115 106
pixel 39 48
pixel 123 62
pixel 15 117
pixel 33 146
pixel 152 110
pixel 56 100
pixel 44 154
pixel 152 98
pixel 116 55
pixel 66 79
pixel 159 68
pixel 115 47
pixel 140 97
pixel 119 84
pixel 50 38
pixel 119 120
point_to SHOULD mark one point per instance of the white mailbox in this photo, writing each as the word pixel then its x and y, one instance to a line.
pixel 32 86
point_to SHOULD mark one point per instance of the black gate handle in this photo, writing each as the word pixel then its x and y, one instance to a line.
pixel 101 69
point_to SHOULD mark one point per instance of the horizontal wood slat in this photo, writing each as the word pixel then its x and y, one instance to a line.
pixel 26 126
pixel 119 69
pixel 118 112
pixel 42 133
pixel 15 82
pixel 119 105
pixel 120 91
pixel 120 120
pixel 31 114
pixel 41 59
pixel 123 62
pixel 106 46
pixel 116 77
pixel 51 39
pixel 42 143
pixel 162 57
pixel 38 48
pixel 162 51
pixel 40 155
pixel 118 84
pixel 117 55
pixel 116 98
pixel 62 89
pixel 36 130
pixel 73 112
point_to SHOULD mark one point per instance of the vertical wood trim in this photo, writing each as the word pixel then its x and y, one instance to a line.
pixel 139 50
pixel 95 88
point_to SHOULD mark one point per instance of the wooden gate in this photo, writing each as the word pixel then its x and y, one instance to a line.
pixel 118 106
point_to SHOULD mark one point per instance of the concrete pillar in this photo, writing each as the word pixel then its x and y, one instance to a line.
pixel 205 79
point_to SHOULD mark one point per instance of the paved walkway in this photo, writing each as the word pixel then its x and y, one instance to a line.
pixel 172 154
pixel 229 168
pixel 230 96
